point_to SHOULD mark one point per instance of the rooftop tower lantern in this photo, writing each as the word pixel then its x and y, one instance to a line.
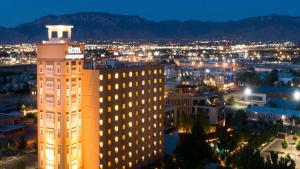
pixel 63 32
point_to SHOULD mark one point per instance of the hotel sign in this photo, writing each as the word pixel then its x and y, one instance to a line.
pixel 74 53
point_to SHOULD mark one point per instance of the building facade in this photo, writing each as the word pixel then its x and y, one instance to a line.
pixel 211 106
pixel 131 116
pixel 105 117
pixel 59 78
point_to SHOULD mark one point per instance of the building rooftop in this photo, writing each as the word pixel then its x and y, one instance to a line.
pixel 8 128
pixel 10 115
pixel 270 110
pixel 116 64
pixel 272 89
pixel 283 104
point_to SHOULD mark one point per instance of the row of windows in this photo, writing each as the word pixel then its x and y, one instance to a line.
pixel 49 69
pixel 131 74
pixel 129 164
pixel 117 86
pixel 50 152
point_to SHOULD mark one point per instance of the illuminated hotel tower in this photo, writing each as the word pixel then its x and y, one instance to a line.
pixel 59 79
pixel 106 117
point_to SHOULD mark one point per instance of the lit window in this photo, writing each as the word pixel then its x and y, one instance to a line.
pixel 101 88
pixel 116 118
pixel 130 84
pixel 116 97
pixel 116 107
pixel 124 74
pixel 109 76
pixel 101 100
pixel 130 94
pixel 108 98
pixel 130 74
pixel 116 128
pixel 116 75
pixel 130 104
pixel 116 86
pixel 101 77
pixel 108 87
pixel 130 124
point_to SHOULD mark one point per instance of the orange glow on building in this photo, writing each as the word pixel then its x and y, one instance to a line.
pixel 95 118
pixel 59 81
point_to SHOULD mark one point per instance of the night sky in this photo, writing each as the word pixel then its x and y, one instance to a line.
pixel 13 12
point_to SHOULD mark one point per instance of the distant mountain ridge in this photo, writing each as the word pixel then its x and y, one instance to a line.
pixel 105 26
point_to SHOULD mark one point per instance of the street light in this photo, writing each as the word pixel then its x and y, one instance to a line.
pixel 283 117
pixel 248 91
pixel 297 95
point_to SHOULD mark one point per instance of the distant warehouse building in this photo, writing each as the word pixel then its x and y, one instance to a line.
pixel 274 109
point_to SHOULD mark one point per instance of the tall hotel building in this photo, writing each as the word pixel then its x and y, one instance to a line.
pixel 104 116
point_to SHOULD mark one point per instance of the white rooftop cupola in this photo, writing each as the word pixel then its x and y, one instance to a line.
pixel 59 32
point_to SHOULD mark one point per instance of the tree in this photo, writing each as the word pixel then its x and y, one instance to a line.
pixel 271 78
pixel 298 145
pixel 35 147
pixel 250 78
pixel 21 165
pixel 22 143
pixel 273 161
pixel 193 151
pixel 240 118
pixel 231 101
pixel 250 158
pixel 284 144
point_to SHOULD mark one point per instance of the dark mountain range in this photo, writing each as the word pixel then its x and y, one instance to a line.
pixel 104 26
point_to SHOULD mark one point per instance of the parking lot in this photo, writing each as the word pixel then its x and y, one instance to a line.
pixel 276 146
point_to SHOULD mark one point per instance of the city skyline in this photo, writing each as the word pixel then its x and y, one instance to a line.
pixel 132 84
pixel 12 11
